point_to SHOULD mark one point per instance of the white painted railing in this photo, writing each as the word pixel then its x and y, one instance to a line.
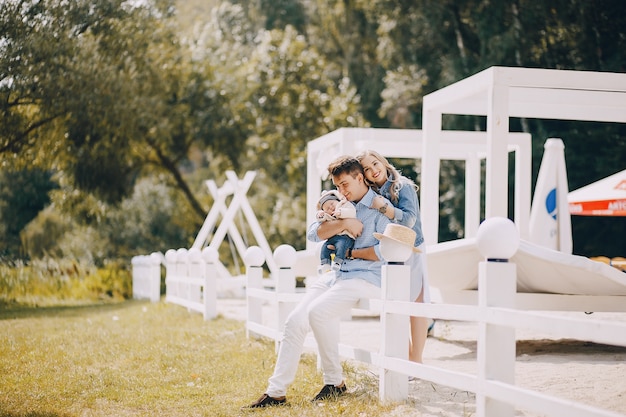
pixel 191 282
pixel 283 296
pixel 147 276
pixel 494 385
pixel 190 279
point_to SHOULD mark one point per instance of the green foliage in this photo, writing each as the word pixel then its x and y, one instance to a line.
pixel 23 193
pixel 62 281
pixel 99 95
pixel 40 237
pixel 282 13
pixel 281 93
pixel 347 37
pixel 134 100
pixel 296 100
pixel 57 235
pixel 148 221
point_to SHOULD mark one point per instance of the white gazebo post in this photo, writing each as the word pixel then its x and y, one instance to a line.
pixel 396 285
pixel 254 259
pixel 497 240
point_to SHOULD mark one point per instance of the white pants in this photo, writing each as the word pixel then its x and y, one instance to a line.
pixel 325 302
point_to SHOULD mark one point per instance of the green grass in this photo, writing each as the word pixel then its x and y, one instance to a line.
pixel 150 359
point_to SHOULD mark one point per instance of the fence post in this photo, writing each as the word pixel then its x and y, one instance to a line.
pixel 182 271
pixel 254 260
pixel 170 271
pixel 154 291
pixel 285 258
pixel 196 269
pixel 210 256
pixel 497 240
pixel 396 278
pixel 137 272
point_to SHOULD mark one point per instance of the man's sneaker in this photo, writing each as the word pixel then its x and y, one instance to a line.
pixel 267 401
pixel 330 391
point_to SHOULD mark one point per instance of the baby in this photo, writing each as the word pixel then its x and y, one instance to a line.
pixel 332 206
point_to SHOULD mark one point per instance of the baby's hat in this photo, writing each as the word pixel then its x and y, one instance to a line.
pixel 329 195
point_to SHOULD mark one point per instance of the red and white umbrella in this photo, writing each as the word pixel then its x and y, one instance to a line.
pixel 606 197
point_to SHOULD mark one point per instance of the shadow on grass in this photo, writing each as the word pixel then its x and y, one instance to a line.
pixel 17 311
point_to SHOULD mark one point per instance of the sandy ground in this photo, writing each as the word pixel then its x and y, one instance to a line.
pixel 584 372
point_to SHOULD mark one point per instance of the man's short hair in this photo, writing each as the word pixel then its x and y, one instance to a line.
pixel 345 165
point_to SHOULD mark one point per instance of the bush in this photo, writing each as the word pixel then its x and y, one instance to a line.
pixel 49 281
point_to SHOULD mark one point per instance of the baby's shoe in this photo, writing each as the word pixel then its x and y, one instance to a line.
pixel 336 266
pixel 323 268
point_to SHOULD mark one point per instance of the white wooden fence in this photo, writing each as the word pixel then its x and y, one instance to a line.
pixel 147 276
pixel 190 279
pixel 494 385
pixel 191 282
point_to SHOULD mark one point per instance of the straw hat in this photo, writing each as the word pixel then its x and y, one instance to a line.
pixel 399 233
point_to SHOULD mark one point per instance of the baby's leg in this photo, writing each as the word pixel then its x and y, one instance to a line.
pixel 342 245
pixel 326 256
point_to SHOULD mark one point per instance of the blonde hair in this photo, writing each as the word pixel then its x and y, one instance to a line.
pixel 397 179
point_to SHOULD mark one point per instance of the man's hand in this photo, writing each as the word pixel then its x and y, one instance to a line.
pixel 369 254
pixel 334 227
pixel 354 227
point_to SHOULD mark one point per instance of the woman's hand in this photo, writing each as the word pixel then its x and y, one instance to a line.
pixel 378 202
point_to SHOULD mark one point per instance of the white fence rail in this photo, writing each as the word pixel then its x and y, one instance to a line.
pixel 494 385
pixel 284 296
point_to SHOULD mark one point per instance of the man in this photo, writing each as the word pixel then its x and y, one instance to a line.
pixel 331 298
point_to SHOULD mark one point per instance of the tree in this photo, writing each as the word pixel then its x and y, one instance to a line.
pixel 23 194
pixel 425 45
pixel 297 99
pixel 148 221
pixel 105 93
pixel 281 93
pixel 143 102
pixel 102 93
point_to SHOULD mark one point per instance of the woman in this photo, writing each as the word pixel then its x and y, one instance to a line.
pixel 401 192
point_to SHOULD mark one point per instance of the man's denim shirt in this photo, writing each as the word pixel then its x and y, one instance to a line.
pixel 373 221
